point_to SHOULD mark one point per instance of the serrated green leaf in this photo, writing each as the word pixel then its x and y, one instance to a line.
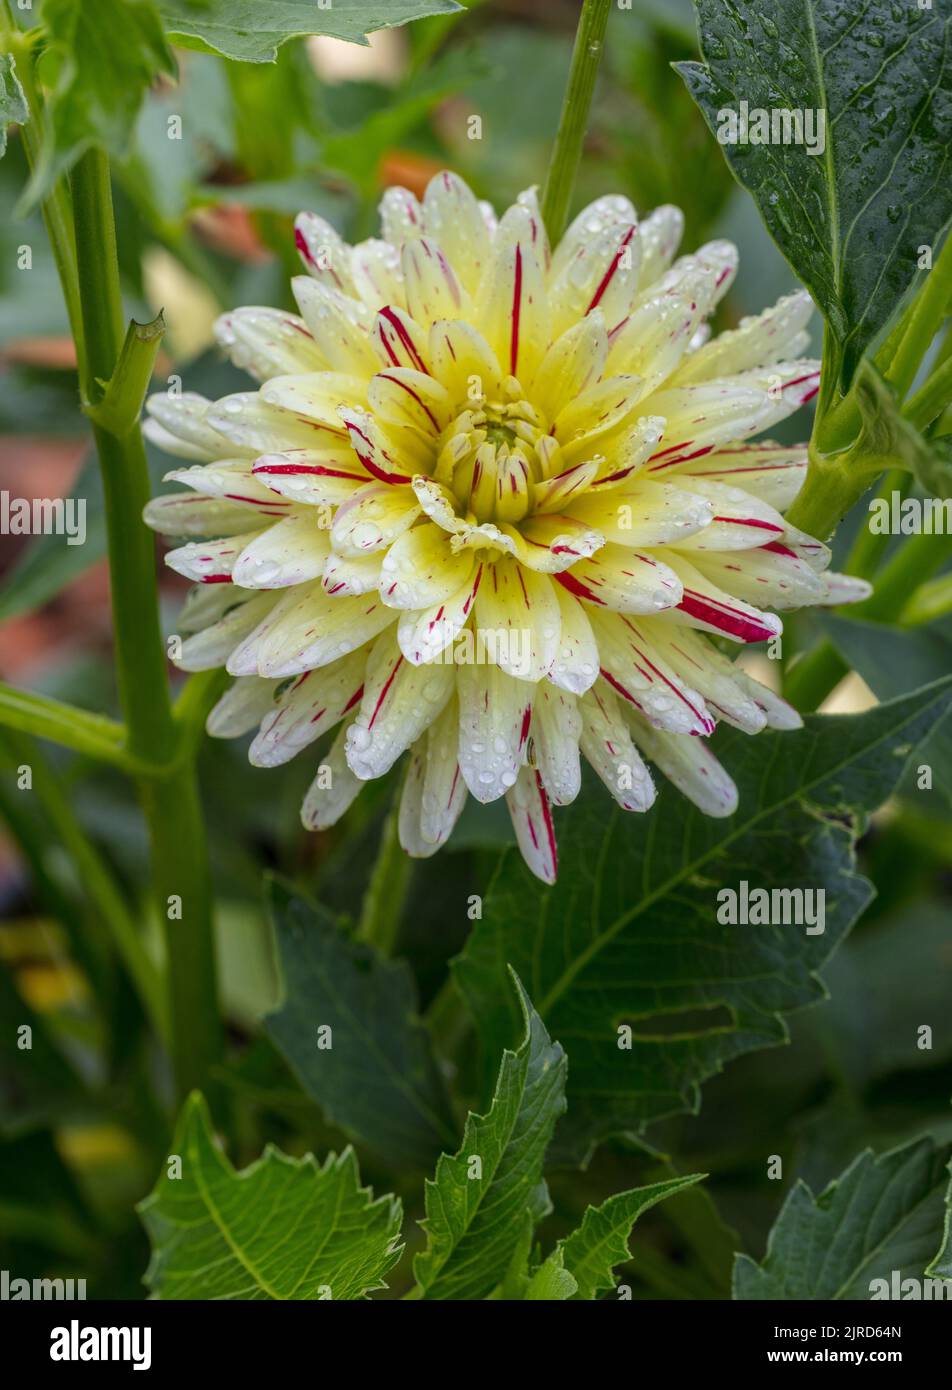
pixel 378 1081
pixel 252 31
pixel 883 1215
pixel 849 219
pixel 475 1206
pixel 100 61
pixel 551 1282
pixel 284 1228
pixel 941 1266
pixel 893 661
pixel 630 935
pixel 591 1252
pixel 13 107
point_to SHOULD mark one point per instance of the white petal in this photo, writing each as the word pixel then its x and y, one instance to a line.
pixel 340 325
pixel 517 612
pixel 607 746
pixel 375 269
pixel 512 301
pixel 207 562
pixel 183 419
pixel 495 711
pixel 769 337
pixel 624 580
pixel 421 569
pixel 424 634
pixel 241 708
pixel 268 342
pixel 637 671
pixel 575 667
pixel 689 764
pixel 293 552
pixel 401 216
pixel 453 218
pixel 188 514
pixel 349 575
pixel 435 793
pixel 373 519
pixel 305 707
pixel 333 790
pixel 532 822
pixel 555 732
pixel 325 254
pixel 432 289
pixel 706 606
pixel 644 513
pixel 399 703
pixel 312 477
pixel 248 422
pixel 317 630
pixel 318 398
pixel 213 645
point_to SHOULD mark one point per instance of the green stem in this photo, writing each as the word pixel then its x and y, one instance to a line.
pixel 181 882
pixel 918 560
pixel 929 603
pixel 573 122
pixel 921 322
pixel 870 546
pixel 813 677
pixel 929 402
pixel 91 734
pixel 386 891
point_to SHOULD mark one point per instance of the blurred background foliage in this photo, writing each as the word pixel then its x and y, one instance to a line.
pixel 204 224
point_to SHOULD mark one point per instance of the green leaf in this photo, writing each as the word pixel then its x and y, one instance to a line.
pixel 551 1282
pixel 591 1252
pixel 630 935
pixel 895 660
pixel 941 1266
pixel 253 30
pixel 475 1208
pixel 100 61
pixel 283 1228
pixel 893 442
pixel 13 107
pixel 849 219
pixel 884 1214
pixel 378 1081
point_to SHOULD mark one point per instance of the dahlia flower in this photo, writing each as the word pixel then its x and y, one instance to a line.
pixel 498 507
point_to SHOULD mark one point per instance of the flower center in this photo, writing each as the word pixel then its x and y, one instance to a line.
pixel 493 455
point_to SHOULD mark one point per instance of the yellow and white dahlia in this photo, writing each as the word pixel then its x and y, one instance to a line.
pixel 488 504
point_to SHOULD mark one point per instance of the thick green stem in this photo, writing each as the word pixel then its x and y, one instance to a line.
pixel 180 867
pixel 386 891
pixel 834 483
pixel 573 123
